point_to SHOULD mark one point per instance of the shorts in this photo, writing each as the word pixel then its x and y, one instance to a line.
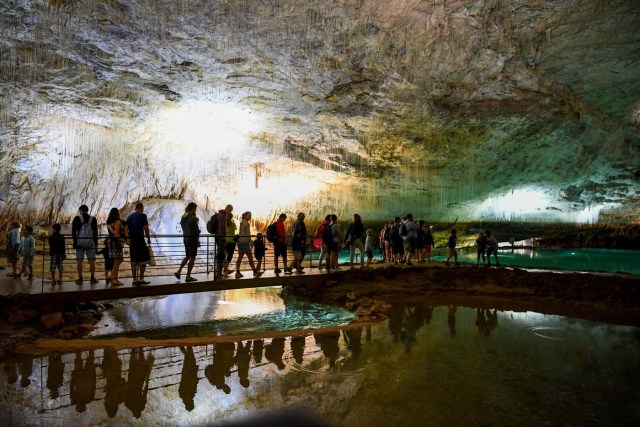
pixel 115 249
pixel 89 252
pixel 56 262
pixel 369 255
pixel 27 261
pixel 191 247
pixel 280 249
pixel 335 247
pixel 244 248
pixel 139 251
pixel 297 245
pixel 12 254
pixel 397 247
pixel 410 246
pixel 453 252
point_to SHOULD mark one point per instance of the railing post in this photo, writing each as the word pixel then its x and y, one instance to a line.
pixel 43 266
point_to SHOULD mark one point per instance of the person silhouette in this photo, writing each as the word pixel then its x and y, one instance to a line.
pixel 274 352
pixel 481 321
pixel 243 360
pixel 188 379
pixel 353 337
pixel 82 389
pixel 221 365
pixel 329 345
pixel 137 387
pixel 258 346
pixel 297 349
pixel 25 368
pixel 451 319
pixel 114 383
pixel 396 316
pixel 492 321
pixel 55 375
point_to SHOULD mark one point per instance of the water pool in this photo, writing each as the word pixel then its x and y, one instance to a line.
pixel 427 365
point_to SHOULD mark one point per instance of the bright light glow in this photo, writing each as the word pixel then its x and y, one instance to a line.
pixel 515 204
pixel 589 215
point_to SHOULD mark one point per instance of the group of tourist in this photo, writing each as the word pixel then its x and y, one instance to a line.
pixel 402 240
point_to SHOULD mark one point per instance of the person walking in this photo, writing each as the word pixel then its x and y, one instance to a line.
pixel 280 246
pixel 84 233
pixel 244 245
pixel 117 238
pixel 137 230
pixel 191 240
pixel 337 238
pixel 298 243
pixel 492 247
pixel 481 241
pixel 318 243
pixel 353 239
pixel 219 227
pixel 57 254
pixel 28 251
pixel 231 240
pixel 451 244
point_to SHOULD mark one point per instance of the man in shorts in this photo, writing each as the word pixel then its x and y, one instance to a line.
pixel 138 230
pixel 85 243
pixel 280 247
pixel 298 243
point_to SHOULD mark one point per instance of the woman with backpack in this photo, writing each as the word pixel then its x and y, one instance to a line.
pixel 117 238
pixel 319 244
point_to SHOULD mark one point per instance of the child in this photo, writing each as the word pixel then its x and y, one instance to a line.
pixel 13 244
pixel 28 251
pixel 368 246
pixel 108 261
pixel 259 250
pixel 56 254
pixel 451 244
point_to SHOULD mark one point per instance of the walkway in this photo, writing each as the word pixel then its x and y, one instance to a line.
pixel 39 291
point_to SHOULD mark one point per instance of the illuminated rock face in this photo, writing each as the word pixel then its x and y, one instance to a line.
pixel 469 110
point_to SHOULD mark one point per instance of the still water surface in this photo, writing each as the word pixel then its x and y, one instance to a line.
pixel 426 365
pixel 588 259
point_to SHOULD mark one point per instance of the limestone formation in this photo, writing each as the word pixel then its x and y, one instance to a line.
pixel 450 109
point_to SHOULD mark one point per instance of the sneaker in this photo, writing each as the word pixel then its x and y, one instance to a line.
pixel 277 271
pixel 79 282
pixel 288 270
pixel 299 271
pixel 227 272
pixel 257 273
pixel 93 281
pixel 239 275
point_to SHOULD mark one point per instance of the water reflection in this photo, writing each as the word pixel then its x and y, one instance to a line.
pixel 351 371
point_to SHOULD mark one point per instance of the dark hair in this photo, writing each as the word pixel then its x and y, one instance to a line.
pixel 83 208
pixel 28 228
pixel 410 217
pixel 356 218
pixel 190 206
pixel 139 206
pixel 487 233
pixel 334 217
pixel 454 231
pixel 114 214
pixel 396 219
pixel 327 218
pixel 56 227
pixel 282 216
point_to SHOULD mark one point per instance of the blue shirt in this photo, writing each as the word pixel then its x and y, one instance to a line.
pixel 136 222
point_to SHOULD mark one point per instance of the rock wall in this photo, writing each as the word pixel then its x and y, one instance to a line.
pixel 449 109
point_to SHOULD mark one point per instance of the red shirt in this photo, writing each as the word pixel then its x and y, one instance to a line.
pixel 281 233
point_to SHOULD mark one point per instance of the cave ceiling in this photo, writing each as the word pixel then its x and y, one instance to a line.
pixel 468 110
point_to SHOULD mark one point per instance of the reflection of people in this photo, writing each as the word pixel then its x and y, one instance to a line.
pixel 221 365
pixel 55 375
pixel 451 319
pixel 242 360
pixel 137 387
pixel 189 378
pixel 274 352
pixel 329 345
pixel 25 367
pixel 115 384
pixel 258 346
pixel 413 320
pixel 395 321
pixel 353 337
pixel 297 349
pixel 82 389
pixel 492 321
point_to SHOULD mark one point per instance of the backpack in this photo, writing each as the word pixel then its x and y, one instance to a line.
pixel 394 233
pixel 403 229
pixel 212 224
pixel 85 235
pixel 327 235
pixel 272 232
